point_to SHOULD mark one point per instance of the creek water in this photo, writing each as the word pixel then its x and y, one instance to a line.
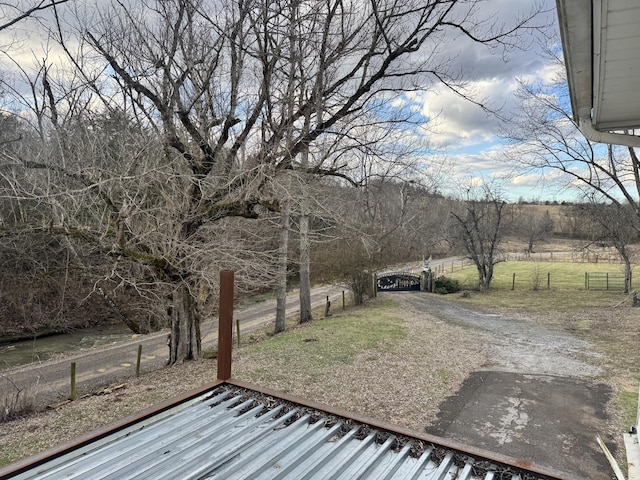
pixel 39 349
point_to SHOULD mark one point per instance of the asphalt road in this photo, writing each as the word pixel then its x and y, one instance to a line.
pixel 113 364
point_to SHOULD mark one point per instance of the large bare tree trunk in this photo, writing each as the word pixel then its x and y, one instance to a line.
pixel 185 327
pixel 281 302
pixel 305 275
pixel 305 247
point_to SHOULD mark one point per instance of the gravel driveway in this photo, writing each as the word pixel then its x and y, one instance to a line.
pixel 537 398
pixel 516 344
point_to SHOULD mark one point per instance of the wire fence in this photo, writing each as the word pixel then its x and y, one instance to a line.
pixel 606 274
pixel 606 256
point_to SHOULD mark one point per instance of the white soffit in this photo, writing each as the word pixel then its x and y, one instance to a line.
pixel 601 43
pixel 616 64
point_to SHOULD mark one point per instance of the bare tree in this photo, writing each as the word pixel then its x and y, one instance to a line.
pixel 478 227
pixel 546 138
pixel 618 225
pixel 333 91
pixel 609 176
pixel 178 122
pixel 379 224
pixel 18 10
pixel 283 261
pixel 533 226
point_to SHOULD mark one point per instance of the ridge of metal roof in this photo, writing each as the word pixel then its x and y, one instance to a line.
pixel 233 432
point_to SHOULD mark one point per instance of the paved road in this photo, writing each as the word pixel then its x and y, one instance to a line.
pixel 115 363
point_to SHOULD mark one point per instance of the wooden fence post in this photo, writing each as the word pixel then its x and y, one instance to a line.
pixel 138 360
pixel 225 325
pixel 73 381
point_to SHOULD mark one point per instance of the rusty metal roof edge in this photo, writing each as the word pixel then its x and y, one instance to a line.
pixel 57 451
pixel 478 453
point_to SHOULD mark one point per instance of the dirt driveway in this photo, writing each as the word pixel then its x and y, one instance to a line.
pixel 538 398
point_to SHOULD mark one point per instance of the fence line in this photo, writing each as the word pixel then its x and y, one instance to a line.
pixel 609 257
pixel 586 256
pixel 604 281
pixel 538 278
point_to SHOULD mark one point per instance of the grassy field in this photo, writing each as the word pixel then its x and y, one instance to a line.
pixel 548 286
pixel 320 346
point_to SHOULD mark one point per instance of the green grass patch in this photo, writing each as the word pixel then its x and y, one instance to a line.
pixel 537 275
pixel 540 286
pixel 628 402
pixel 444 375
pixel 540 300
pixel 319 346
pixel 13 452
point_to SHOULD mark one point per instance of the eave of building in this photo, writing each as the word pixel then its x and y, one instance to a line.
pixel 601 43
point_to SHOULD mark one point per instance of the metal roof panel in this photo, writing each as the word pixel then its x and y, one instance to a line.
pixel 231 433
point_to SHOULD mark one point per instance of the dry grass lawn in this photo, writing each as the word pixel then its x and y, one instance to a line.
pixel 397 372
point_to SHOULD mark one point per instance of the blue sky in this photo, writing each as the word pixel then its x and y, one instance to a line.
pixel 466 137
pixel 461 135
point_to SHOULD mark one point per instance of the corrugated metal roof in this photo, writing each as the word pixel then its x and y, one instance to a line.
pixel 236 433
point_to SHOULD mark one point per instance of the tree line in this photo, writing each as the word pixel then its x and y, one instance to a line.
pixel 164 138
pixel 154 143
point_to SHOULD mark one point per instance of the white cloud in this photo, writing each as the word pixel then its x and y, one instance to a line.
pixel 461 130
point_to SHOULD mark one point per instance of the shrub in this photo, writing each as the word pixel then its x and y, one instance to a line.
pixel 444 285
pixel 17 403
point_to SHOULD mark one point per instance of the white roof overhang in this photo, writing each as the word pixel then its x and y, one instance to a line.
pixel 601 42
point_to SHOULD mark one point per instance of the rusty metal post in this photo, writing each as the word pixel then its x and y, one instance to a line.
pixel 225 325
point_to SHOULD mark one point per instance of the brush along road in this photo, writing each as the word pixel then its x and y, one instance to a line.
pixel 108 365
